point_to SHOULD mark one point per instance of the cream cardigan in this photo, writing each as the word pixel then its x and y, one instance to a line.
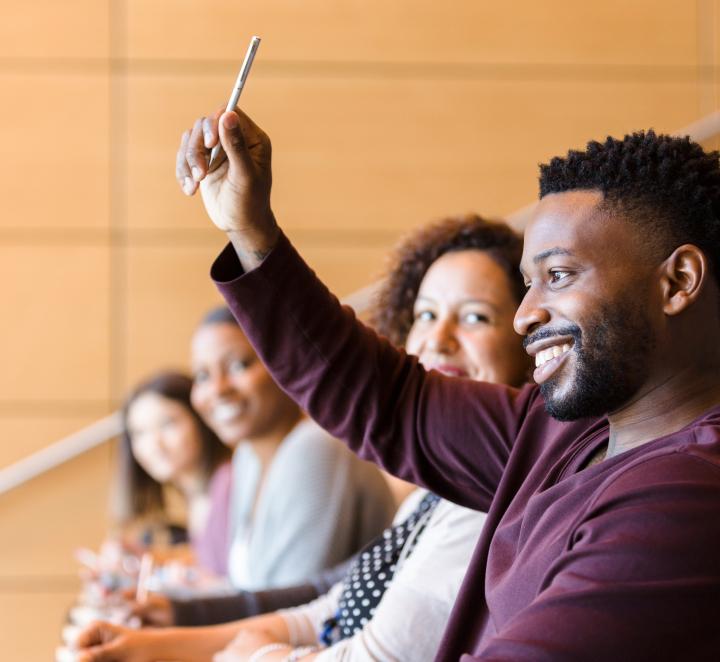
pixel 318 506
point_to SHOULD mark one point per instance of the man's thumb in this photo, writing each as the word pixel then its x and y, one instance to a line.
pixel 233 141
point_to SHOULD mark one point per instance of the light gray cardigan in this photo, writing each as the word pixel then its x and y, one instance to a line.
pixel 319 505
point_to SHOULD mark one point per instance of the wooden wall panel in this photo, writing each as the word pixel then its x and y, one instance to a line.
pixel 32 622
pixel 159 110
pixel 56 163
pixel 54 344
pixel 367 155
pixel 50 29
pixel 44 521
pixel 169 290
pixel 613 32
pixel 345 266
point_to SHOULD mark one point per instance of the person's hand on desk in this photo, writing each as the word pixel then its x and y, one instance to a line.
pixel 105 642
pixel 236 187
pixel 156 610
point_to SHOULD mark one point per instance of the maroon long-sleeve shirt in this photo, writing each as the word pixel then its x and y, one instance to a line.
pixel 618 561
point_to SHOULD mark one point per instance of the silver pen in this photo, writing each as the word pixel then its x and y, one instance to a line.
pixel 238 87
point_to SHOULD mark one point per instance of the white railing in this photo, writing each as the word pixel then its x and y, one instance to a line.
pixel 109 427
pixel 60 452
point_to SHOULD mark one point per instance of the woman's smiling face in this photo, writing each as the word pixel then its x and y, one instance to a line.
pixel 463 320
pixel 164 437
pixel 232 390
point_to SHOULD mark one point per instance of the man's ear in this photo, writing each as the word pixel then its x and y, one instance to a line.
pixel 682 276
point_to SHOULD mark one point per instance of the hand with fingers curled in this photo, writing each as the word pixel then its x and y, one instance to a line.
pixel 235 187
pixel 106 642
pixel 156 610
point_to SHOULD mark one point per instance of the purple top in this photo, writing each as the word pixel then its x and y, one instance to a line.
pixel 620 560
pixel 213 545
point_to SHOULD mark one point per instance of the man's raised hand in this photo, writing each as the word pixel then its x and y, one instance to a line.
pixel 235 188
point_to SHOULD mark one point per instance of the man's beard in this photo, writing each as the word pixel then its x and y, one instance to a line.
pixel 611 363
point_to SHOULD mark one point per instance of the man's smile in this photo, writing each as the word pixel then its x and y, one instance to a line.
pixel 550 354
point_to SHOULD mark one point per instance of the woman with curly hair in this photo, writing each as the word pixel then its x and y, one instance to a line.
pixel 449 298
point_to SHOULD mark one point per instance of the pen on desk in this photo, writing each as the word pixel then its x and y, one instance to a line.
pixel 146 566
pixel 239 84
pixel 88 558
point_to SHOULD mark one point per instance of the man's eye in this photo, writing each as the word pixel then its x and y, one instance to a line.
pixel 425 316
pixel 557 276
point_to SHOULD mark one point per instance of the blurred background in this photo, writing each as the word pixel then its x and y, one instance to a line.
pixel 384 115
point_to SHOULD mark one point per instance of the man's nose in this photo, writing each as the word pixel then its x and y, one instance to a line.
pixel 530 314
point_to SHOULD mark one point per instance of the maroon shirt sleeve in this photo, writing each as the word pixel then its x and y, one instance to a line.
pixel 243 604
pixel 641 579
pixel 450 435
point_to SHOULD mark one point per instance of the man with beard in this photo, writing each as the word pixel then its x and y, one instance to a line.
pixel 602 540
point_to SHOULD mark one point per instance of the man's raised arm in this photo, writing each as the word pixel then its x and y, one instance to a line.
pixel 420 426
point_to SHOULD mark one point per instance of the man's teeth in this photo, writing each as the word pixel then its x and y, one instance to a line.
pixel 550 353
pixel 223 413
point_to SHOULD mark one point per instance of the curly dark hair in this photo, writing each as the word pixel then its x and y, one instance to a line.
pixel 392 313
pixel 670 185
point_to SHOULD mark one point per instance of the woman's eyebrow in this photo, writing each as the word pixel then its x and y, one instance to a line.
pixel 480 300
pixel 462 302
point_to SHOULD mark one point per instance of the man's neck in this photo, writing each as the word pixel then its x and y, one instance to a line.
pixel 664 407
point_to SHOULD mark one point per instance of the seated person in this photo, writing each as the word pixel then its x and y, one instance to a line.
pixel 450 297
pixel 300 501
pixel 165 443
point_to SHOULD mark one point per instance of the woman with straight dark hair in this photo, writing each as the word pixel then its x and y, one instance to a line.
pixel 166 444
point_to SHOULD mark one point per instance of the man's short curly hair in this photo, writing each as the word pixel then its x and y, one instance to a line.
pixel 392 314
pixel 670 185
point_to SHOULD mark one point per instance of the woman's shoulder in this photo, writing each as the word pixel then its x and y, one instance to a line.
pixel 308 439
pixel 310 452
